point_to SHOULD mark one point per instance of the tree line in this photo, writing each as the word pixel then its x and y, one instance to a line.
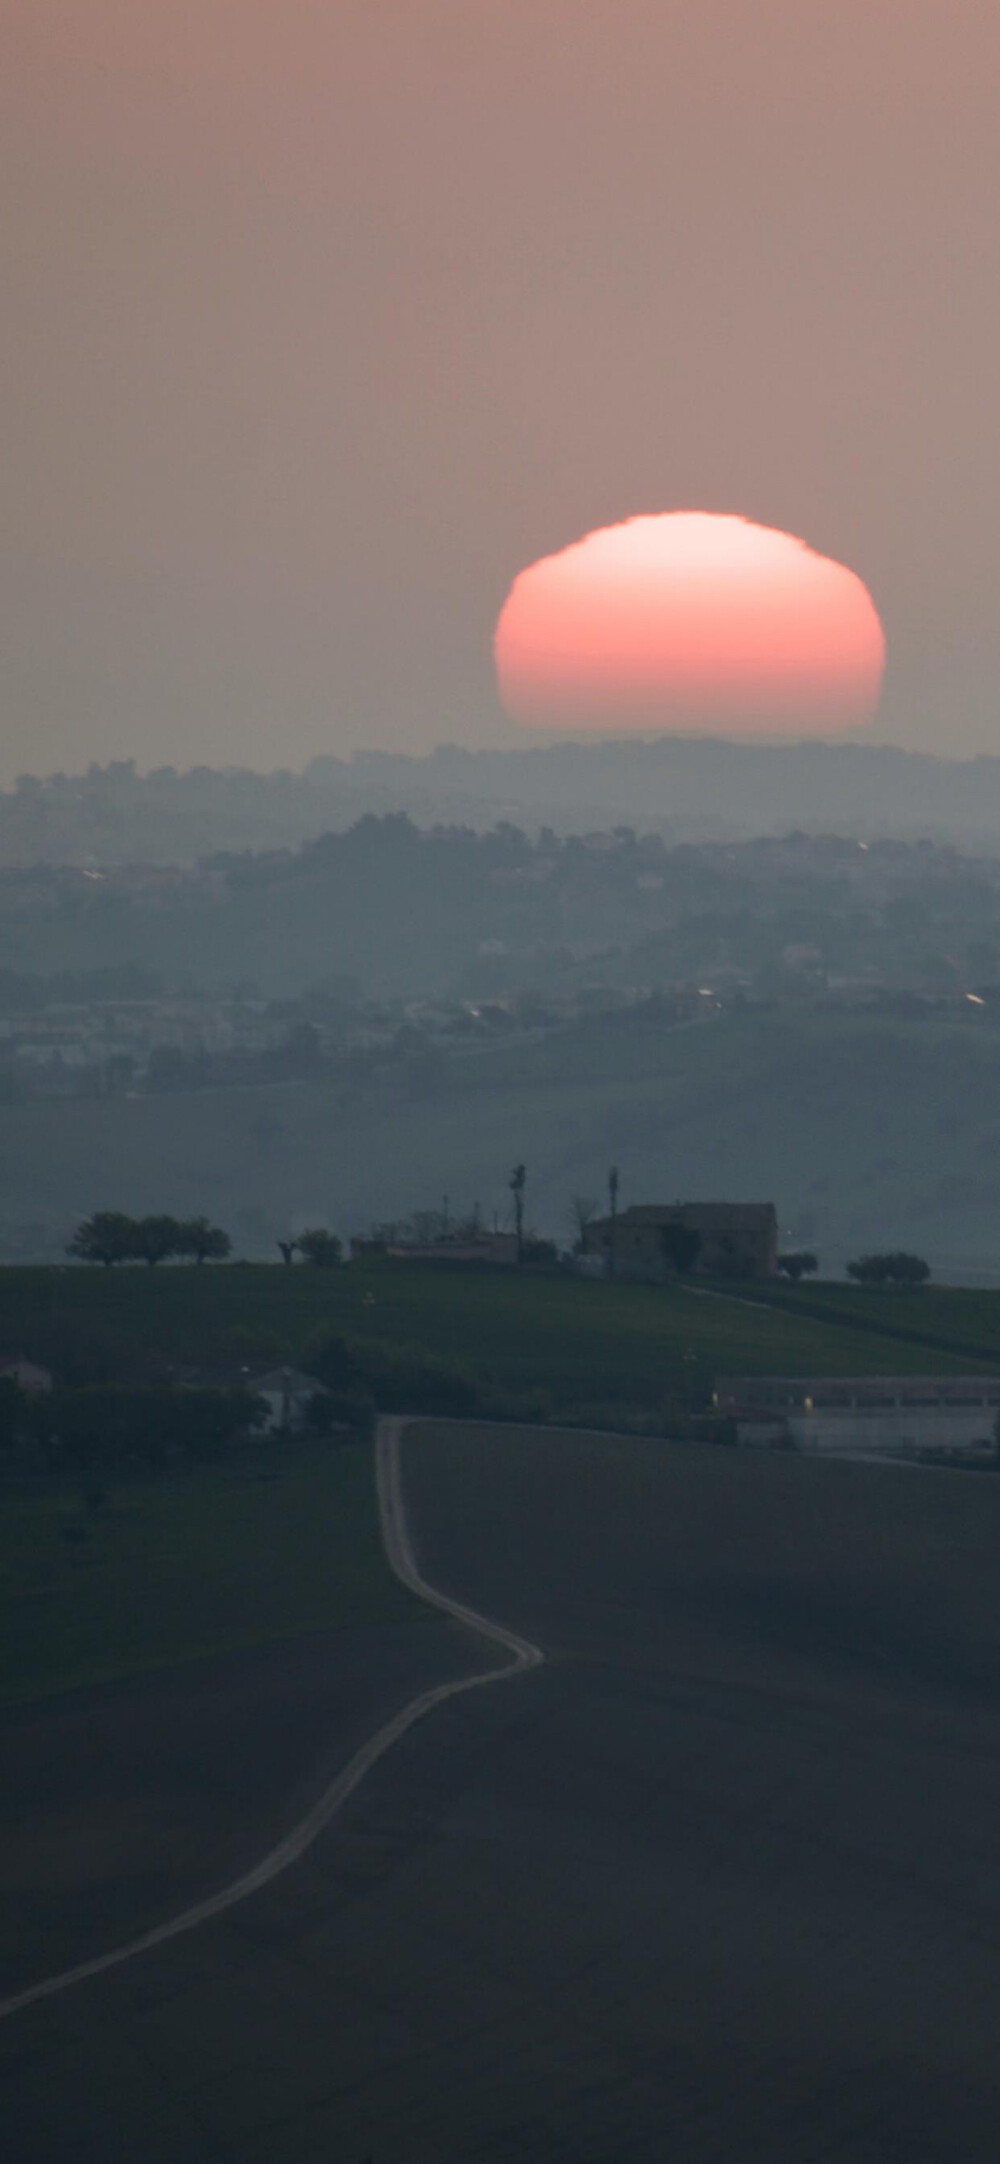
pixel 894 1268
pixel 110 1236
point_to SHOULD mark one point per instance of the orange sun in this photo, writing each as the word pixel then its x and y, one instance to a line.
pixel 689 620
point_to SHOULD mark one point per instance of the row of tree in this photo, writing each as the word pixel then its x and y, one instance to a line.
pixel 110 1236
pixel 894 1268
pixel 897 1268
pixel 113 1425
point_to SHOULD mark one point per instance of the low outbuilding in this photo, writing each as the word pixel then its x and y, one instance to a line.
pixel 863 1415
pixel 288 1394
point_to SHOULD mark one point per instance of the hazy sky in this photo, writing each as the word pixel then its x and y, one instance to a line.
pixel 324 317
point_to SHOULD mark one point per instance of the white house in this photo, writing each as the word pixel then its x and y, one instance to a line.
pixel 288 1394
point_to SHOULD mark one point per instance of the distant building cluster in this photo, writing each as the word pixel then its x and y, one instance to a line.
pixel 649 1243
pixel 89 1034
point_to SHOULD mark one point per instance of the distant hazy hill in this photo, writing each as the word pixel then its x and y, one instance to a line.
pixel 686 788
pixel 407 912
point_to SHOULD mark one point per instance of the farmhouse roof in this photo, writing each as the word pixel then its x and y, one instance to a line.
pixel 723 1216
pixel 849 1391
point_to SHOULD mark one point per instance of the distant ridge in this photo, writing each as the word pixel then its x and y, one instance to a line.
pixel 689 789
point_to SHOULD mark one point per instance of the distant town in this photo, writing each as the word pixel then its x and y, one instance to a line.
pixel 360 948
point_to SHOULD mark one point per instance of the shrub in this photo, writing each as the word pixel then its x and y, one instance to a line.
pixel 895 1268
pixel 331 1409
pixel 114 1425
pixel 609 1417
pixel 528 1408
pixel 398 1378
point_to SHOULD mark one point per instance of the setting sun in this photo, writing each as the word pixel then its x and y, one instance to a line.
pixel 689 620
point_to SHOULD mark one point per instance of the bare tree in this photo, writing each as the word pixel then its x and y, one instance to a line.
pixel 583 1210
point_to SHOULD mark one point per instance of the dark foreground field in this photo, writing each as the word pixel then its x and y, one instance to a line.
pixel 720 1881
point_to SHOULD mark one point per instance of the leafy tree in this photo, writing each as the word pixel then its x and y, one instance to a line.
pixel 117 1424
pixel 895 1268
pixel 800 1263
pixel 205 1242
pixel 396 1378
pixel 106 1237
pixel 320 1247
pixel 681 1246
pixel 154 1238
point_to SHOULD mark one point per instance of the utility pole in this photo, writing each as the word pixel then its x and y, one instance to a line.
pixel 516 1183
pixel 613 1213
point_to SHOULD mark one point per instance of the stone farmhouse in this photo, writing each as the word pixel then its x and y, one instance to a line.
pixel 647 1242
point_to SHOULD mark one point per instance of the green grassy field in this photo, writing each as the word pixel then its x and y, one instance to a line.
pixel 577 1340
pixel 224 1556
pixel 178 1567
pixel 961 1321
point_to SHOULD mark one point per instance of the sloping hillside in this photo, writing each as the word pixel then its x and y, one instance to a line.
pixel 865 1132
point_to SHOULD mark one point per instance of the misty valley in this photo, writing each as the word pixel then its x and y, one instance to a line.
pixel 346 1030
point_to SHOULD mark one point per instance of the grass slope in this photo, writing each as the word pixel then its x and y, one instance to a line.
pixel 959 1320
pixel 576 1339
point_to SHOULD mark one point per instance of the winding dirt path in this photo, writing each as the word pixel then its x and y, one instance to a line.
pixel 523 1656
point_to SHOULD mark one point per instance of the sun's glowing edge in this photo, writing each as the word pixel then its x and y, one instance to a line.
pixel 676 621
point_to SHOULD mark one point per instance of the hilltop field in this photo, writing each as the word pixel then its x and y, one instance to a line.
pixel 575 1341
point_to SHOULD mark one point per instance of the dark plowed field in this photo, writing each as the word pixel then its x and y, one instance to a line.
pixel 721 1881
